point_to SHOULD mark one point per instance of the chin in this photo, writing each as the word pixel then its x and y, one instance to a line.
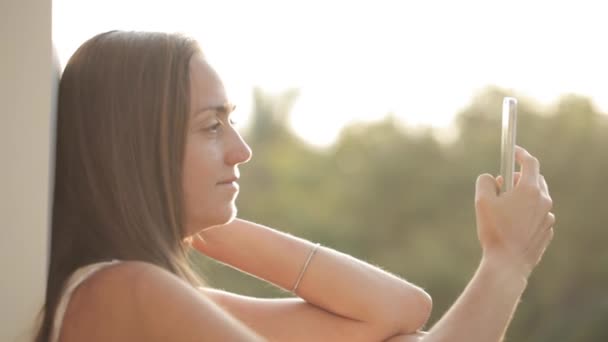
pixel 224 216
pixel 227 219
pixel 227 214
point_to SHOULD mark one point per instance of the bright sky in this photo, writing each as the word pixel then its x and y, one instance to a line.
pixel 359 60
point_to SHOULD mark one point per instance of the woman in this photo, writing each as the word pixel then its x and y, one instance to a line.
pixel 147 167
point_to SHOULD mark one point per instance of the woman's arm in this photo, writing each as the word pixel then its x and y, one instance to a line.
pixel 333 283
pixel 482 312
pixel 295 320
pixel 514 230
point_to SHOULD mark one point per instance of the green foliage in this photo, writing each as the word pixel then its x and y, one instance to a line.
pixel 402 200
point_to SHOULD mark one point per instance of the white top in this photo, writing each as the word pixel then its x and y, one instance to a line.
pixel 77 278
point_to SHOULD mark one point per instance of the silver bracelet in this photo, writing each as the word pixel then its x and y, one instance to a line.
pixel 312 252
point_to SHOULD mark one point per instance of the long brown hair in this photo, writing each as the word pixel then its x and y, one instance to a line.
pixel 121 127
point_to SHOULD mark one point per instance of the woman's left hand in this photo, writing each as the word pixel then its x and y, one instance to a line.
pixel 198 241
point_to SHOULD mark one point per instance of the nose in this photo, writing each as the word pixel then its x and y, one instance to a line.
pixel 238 151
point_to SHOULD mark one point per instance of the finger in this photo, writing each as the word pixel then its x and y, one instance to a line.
pixel 549 221
pixel 539 244
pixel 485 187
pixel 199 243
pixel 543 185
pixel 547 238
pixel 516 177
pixel 537 235
pixel 542 244
pixel 499 181
pixel 529 165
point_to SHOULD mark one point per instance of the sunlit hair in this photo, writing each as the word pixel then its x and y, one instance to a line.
pixel 121 127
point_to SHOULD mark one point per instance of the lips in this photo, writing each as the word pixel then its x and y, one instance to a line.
pixel 229 184
pixel 231 180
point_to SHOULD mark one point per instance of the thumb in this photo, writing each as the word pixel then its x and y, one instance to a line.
pixel 486 187
pixel 199 244
pixel 499 181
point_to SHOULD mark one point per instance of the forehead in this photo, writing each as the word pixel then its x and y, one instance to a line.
pixel 206 88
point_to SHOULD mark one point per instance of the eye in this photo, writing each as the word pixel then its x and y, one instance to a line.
pixel 215 127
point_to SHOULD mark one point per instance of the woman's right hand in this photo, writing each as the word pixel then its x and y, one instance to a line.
pixel 515 227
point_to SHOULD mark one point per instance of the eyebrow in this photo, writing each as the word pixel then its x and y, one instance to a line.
pixel 223 109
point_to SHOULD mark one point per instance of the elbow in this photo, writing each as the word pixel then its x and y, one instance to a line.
pixel 426 308
pixel 414 311
pixel 405 313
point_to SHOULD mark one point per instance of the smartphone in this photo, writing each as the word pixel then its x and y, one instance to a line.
pixel 507 146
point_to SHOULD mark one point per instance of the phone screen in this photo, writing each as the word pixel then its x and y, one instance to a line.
pixel 507 146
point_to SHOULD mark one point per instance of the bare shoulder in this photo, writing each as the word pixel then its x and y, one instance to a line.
pixel 137 301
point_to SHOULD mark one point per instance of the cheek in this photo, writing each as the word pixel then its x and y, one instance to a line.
pixel 198 170
pixel 202 161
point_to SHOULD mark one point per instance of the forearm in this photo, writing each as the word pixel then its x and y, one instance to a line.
pixel 333 281
pixel 485 308
pixel 514 229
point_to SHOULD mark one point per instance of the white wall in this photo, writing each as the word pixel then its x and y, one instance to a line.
pixel 28 82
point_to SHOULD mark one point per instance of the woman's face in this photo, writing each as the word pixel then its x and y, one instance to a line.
pixel 214 150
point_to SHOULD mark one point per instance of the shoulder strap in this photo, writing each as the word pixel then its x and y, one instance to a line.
pixel 77 278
